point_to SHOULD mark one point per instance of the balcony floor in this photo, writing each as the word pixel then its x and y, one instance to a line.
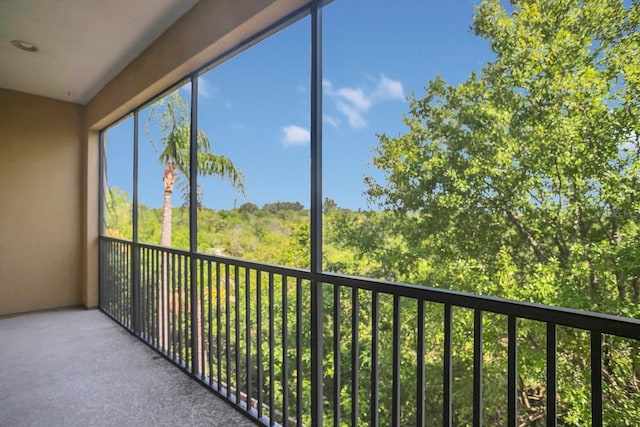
pixel 79 368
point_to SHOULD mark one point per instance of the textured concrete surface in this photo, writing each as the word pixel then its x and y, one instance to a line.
pixel 79 368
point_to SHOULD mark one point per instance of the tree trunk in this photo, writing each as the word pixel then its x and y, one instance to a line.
pixel 165 302
pixel 168 179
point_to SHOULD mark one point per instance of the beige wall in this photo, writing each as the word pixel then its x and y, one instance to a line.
pixel 90 226
pixel 40 203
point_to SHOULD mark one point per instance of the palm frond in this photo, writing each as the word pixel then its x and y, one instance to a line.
pixel 171 117
pixel 185 192
pixel 210 164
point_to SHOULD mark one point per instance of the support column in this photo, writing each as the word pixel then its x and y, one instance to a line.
pixel 316 213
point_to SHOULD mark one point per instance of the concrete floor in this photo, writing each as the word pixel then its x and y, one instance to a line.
pixel 79 368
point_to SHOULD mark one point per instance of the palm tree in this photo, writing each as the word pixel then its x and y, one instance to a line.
pixel 171 114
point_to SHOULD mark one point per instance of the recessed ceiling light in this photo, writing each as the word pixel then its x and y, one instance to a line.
pixel 23 45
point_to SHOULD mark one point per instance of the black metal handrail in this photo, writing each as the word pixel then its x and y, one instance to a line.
pixel 579 319
pixel 243 333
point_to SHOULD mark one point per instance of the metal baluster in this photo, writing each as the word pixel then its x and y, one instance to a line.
pixel 355 352
pixel 552 380
pixel 395 388
pixel 420 398
pixel 285 354
pixel 512 387
pixel 375 336
pixel 447 413
pixel 477 368
pixel 337 319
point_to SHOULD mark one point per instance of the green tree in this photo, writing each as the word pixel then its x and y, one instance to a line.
pixel 171 116
pixel 329 205
pixel 248 207
pixel 533 161
pixel 117 214
pixel 523 181
pixel 282 206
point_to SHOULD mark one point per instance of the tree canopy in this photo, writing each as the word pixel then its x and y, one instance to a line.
pixel 531 165
pixel 523 182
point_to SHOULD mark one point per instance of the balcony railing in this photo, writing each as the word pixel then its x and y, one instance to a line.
pixel 244 329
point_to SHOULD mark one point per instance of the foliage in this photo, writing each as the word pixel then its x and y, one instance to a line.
pixel 329 205
pixel 522 181
pixel 117 214
pixel 248 207
pixel 282 206
pixel 280 237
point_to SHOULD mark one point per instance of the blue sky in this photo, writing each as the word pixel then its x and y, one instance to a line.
pixel 255 107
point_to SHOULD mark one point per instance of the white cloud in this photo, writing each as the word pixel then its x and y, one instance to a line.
pixel 295 136
pixel 354 102
pixel 388 89
pixel 356 120
pixel 205 88
pixel 331 120
pixel 356 97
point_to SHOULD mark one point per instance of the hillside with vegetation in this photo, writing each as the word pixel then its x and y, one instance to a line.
pixel 364 243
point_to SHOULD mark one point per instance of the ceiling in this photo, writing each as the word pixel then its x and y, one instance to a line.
pixel 82 44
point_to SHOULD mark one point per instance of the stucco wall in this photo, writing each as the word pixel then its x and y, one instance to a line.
pixel 40 203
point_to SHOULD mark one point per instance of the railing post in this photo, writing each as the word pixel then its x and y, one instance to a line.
pixel 477 368
pixel 447 375
pixel 101 224
pixel 420 392
pixel 395 376
pixel 596 379
pixel 375 323
pixel 135 250
pixel 552 389
pixel 193 227
pixel 316 213
pixel 512 372
pixel 135 289
pixel 316 354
